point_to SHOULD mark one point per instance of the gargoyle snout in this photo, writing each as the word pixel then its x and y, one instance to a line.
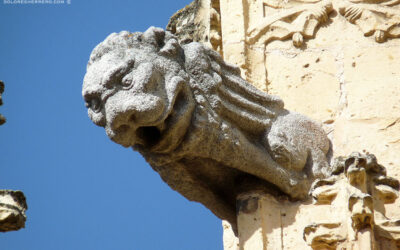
pixel 121 127
pixel 124 121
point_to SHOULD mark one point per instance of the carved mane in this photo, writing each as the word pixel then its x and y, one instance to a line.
pixel 230 97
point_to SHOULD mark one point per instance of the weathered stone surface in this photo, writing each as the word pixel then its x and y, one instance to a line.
pixel 344 73
pixel 231 242
pixel 200 21
pixel 12 210
pixel 362 187
pixel 197 122
pixel 372 86
pixel 292 74
pixel 378 18
pixel 291 19
pixel 187 24
pixel 277 223
pixel 346 212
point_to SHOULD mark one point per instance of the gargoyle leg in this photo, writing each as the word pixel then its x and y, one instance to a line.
pixel 250 158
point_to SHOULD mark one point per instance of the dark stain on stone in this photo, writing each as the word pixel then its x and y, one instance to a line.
pixel 247 206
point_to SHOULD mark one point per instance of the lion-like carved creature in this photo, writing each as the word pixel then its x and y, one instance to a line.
pixel 197 122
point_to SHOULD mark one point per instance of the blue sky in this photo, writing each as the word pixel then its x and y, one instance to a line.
pixel 83 191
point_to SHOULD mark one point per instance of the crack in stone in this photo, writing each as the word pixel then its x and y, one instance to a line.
pixel 339 60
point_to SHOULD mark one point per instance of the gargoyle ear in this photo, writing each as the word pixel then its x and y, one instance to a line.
pixel 171 48
pixel 154 36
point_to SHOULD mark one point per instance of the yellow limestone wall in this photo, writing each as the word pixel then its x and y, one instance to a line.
pixel 344 73
pixel 337 62
pixel 347 81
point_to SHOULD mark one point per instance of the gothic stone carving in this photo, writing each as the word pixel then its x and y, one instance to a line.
pixel 378 18
pixel 12 210
pixel 300 19
pixel 185 24
pixel 196 121
pixel 294 19
pixel 215 27
pixel 357 189
pixel 200 21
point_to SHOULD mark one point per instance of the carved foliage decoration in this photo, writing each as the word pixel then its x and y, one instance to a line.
pixel 357 189
pixel 200 21
pixel 215 26
pixel 300 19
pixel 292 20
pixel 378 18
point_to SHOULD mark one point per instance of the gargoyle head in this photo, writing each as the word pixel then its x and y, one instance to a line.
pixel 135 87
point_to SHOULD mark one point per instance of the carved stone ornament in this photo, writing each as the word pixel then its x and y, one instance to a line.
pixel 295 19
pixel 12 210
pixel 197 122
pixel 200 21
pixel 300 19
pixel 375 17
pixel 358 190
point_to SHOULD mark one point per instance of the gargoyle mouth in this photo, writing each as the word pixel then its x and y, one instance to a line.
pixel 149 135
pixel 154 137
pixel 167 133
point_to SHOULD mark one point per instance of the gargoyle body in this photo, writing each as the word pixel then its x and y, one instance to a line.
pixel 197 122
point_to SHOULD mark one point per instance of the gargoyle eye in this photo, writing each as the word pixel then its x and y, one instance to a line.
pixel 126 82
pixel 93 103
pixel 120 75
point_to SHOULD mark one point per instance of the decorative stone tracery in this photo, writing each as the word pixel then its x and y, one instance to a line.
pixel 358 190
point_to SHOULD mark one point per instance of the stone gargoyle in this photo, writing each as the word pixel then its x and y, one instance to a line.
pixel 197 122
